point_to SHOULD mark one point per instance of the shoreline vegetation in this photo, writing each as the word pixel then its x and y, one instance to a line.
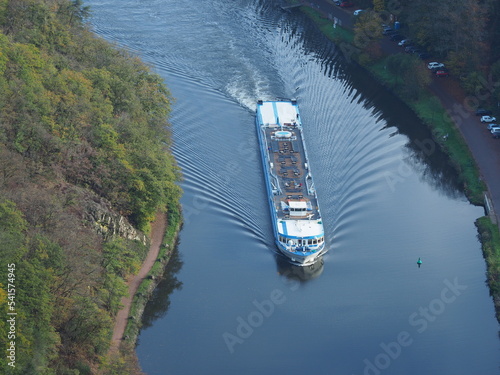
pixel 446 135
pixel 146 288
pixel 125 361
pixel 85 165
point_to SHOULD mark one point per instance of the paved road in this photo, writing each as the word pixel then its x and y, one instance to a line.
pixel 484 148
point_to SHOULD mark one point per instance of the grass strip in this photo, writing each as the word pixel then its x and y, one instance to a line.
pixel 430 111
pixel 490 241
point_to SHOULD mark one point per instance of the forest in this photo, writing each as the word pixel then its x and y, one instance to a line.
pixel 85 165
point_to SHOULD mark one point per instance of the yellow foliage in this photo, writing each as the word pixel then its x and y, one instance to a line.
pixel 138 185
pixel 378 5
pixel 3 294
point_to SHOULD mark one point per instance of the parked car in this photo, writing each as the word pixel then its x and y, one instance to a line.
pixel 495 132
pixel 346 4
pixel 492 126
pixel 435 65
pixel 441 73
pixel 488 118
pixel 482 112
pixel 404 42
pixel 358 12
pixel 411 49
pixel 397 37
pixel 389 31
pixel 424 55
pixel 337 2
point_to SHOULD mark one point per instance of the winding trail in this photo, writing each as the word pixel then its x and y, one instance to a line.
pixel 158 228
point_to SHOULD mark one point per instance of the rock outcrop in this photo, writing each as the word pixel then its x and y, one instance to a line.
pixel 99 215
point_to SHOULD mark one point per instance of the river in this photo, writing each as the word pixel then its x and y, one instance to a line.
pixel 229 304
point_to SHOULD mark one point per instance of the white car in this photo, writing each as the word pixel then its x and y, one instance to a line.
pixel 404 42
pixel 488 119
pixel 357 12
pixel 435 65
pixel 492 126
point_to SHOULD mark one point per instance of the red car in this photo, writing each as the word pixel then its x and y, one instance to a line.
pixel 442 73
pixel 346 4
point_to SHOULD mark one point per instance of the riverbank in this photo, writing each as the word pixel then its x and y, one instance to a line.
pixel 86 165
pixel 458 136
pixel 446 133
pixel 164 236
pixel 490 241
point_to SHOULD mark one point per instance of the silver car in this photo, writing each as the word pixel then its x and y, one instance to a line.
pixel 495 132
pixel 488 119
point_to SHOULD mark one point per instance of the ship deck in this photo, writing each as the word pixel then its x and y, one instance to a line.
pixel 290 172
pixel 294 194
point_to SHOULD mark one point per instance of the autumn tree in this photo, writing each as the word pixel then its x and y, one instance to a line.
pixel 412 77
pixel 367 34
pixel 378 5
pixel 446 26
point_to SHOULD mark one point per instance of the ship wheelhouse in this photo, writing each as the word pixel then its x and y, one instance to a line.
pixel 301 243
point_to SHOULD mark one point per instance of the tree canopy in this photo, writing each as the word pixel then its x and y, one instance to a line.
pixel 82 123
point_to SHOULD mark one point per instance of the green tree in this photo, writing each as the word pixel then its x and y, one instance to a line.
pixel 412 77
pixel 449 25
pixel 368 33
pixel 12 234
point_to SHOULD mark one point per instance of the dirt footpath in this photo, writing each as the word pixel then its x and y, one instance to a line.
pixel 158 228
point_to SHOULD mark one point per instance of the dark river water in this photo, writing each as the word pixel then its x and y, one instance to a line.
pixel 229 304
